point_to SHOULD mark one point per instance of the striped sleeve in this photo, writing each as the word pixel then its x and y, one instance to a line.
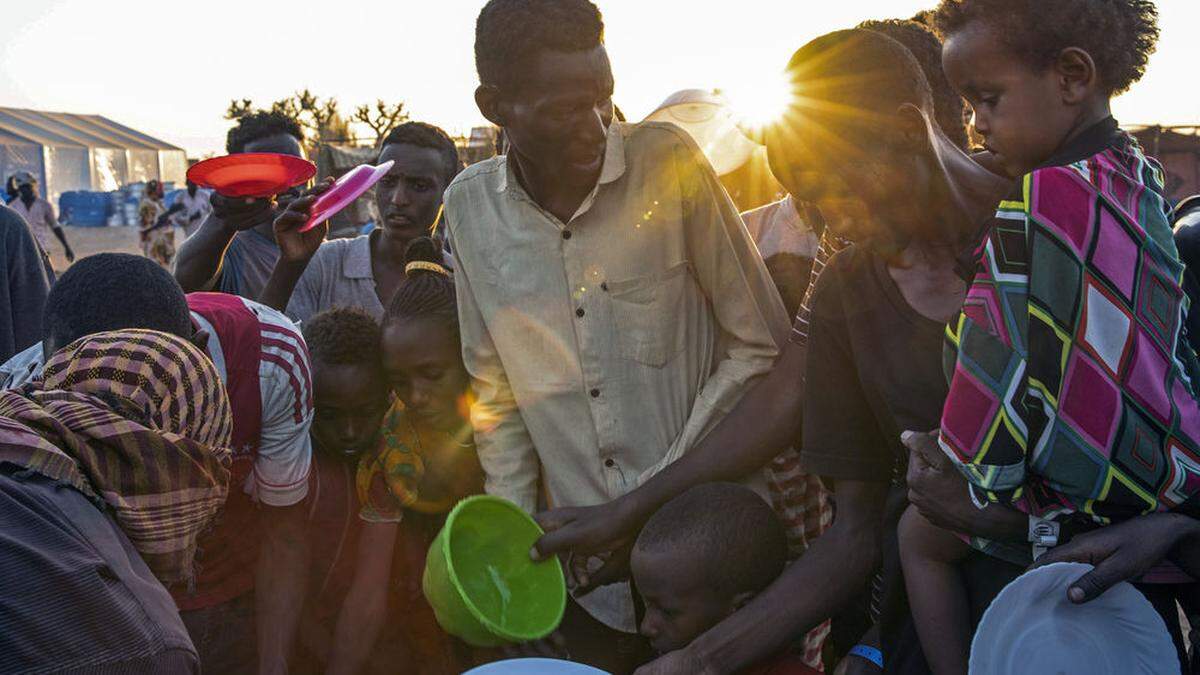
pixel 285 378
pixel 830 244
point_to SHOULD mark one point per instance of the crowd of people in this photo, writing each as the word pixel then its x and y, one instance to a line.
pixel 234 458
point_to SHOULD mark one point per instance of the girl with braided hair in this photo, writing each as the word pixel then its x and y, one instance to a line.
pixel 425 462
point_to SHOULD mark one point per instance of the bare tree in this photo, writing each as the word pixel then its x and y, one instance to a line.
pixel 321 118
pixel 381 118
pixel 239 108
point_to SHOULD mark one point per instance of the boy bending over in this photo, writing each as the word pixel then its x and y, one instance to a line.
pixel 702 557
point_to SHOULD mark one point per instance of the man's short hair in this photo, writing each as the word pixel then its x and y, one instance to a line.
pixel 731 534
pixel 259 125
pixel 510 33
pixel 848 82
pixel 114 291
pixel 425 135
pixel 925 46
pixel 343 336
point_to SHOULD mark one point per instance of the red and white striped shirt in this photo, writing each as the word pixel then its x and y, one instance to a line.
pixel 264 363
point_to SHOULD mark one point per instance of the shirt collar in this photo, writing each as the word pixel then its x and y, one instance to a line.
pixel 1090 141
pixel 357 263
pixel 614 154
pixel 614 160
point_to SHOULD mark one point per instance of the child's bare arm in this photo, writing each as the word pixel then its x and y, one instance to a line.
pixel 936 592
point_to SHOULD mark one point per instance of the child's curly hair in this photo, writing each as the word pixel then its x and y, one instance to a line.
pixel 1120 35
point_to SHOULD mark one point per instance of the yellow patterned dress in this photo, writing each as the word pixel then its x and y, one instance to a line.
pixel 157 244
pixel 389 479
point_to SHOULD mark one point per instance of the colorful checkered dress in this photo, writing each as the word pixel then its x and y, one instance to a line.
pixel 1071 390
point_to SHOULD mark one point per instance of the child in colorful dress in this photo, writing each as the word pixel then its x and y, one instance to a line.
pixel 1071 393
pixel 424 464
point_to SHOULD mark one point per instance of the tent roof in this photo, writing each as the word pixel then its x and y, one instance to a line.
pixel 66 129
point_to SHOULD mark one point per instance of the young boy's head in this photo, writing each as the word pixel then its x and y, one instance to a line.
pixel 1037 72
pixel 701 557
pixel 545 79
pixel 114 291
pixel 350 392
pixel 265 132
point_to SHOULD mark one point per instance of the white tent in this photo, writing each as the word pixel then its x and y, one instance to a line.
pixel 83 152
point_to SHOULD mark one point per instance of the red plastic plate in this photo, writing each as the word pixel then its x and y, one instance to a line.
pixel 252 174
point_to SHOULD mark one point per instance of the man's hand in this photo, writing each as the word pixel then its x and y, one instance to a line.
pixel 70 255
pixel 296 246
pixel 942 496
pixel 240 213
pixel 937 490
pixel 682 662
pixel 597 539
pixel 1121 552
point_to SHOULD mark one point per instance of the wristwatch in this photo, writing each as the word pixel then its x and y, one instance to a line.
pixel 1043 534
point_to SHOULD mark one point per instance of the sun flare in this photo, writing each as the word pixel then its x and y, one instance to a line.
pixel 760 98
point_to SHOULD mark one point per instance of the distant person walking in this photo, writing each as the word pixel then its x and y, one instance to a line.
pixel 158 239
pixel 38 214
pixel 193 208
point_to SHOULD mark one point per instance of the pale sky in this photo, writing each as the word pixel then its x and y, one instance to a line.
pixel 170 68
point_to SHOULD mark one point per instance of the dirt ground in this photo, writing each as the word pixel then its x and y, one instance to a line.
pixel 90 240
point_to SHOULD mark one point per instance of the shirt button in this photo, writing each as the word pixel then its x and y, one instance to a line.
pixel 579 312
pixel 566 234
pixel 609 463
pixel 595 393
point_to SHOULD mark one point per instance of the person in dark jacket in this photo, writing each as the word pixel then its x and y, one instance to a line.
pixel 24 284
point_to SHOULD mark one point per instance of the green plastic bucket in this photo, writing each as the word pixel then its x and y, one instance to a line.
pixel 480 581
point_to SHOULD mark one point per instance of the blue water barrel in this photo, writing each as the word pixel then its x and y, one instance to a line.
pixel 84 209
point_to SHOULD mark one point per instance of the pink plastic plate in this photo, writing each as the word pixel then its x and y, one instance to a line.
pixel 349 187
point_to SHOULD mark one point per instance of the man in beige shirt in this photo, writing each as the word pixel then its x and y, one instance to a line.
pixel 612 305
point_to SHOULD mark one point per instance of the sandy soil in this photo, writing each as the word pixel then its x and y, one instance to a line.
pixel 90 240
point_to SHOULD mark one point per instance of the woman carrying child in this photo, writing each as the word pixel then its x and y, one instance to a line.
pixel 1072 395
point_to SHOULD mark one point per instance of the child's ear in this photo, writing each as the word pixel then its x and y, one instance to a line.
pixel 1077 75
pixel 487 98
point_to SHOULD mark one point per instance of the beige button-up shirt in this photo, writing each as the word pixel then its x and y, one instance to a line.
pixel 604 348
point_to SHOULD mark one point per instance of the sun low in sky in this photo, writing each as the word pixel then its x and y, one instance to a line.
pixel 170 68
pixel 759 101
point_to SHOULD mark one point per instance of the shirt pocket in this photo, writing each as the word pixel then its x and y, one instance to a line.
pixel 646 317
